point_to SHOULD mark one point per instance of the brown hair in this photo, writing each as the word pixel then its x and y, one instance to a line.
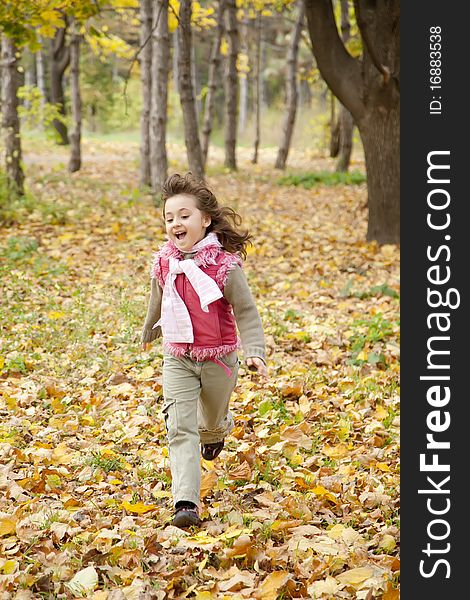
pixel 224 220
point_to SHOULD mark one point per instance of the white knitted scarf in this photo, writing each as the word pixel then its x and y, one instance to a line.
pixel 175 320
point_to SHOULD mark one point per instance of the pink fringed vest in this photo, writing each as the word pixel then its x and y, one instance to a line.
pixel 215 332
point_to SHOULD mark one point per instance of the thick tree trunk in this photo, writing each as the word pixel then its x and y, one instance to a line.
pixel 146 83
pixel 75 138
pixel 10 121
pixel 231 87
pixel 59 61
pixel 292 91
pixel 188 104
pixel 380 133
pixel 209 106
pixel 158 115
pixel 369 89
pixel 258 92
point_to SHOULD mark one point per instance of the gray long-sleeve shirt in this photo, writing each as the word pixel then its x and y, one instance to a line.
pixel 238 294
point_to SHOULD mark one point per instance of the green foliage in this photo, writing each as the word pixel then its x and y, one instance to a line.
pixel 310 180
pixel 377 290
pixel 33 112
pixel 105 108
pixel 374 331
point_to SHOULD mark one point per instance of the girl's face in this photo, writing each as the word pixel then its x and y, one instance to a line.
pixel 185 223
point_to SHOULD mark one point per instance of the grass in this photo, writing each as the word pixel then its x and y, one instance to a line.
pixel 310 180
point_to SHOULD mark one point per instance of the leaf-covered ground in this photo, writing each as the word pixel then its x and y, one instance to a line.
pixel 304 500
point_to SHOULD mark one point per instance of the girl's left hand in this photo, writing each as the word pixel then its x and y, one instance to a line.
pixel 256 364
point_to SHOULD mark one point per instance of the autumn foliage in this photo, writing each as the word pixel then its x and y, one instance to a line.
pixel 303 500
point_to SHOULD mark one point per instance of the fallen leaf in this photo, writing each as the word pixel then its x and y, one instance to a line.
pixel 84 581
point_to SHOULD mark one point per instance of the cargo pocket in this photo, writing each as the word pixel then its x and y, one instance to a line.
pixel 170 417
pixel 230 359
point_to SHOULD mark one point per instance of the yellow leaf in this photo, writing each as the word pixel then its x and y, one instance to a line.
pixel 62 455
pixel 387 543
pixel 146 373
pixel 240 547
pixel 208 483
pixel 7 525
pixel 338 451
pixel 362 355
pixel 224 47
pixel 9 567
pixel 173 15
pixel 54 315
pixel 140 508
pixel 380 413
pixel 382 466
pixel 204 595
pixel 270 586
pixel 319 490
pixel 355 576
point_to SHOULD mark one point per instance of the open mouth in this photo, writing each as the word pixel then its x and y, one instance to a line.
pixel 181 235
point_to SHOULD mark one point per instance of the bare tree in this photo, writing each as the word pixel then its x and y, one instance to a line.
pixel 59 61
pixel 10 121
pixel 75 138
pixel 292 90
pixel 146 82
pixel 370 89
pixel 214 62
pixel 188 104
pixel 231 86
pixel 158 114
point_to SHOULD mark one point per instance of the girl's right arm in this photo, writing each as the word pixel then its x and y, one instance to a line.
pixel 153 315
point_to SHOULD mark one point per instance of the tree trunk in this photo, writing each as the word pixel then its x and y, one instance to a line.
pixel 346 126
pixel 41 78
pixel 176 75
pixel 231 87
pixel 194 81
pixel 334 128
pixel 75 150
pixel 11 122
pixel 188 104
pixel 380 134
pixel 292 91
pixel 159 102
pixel 243 110
pixel 258 92
pixel 59 61
pixel 29 73
pixel 209 106
pixel 146 83
pixel 345 121
pixel 369 89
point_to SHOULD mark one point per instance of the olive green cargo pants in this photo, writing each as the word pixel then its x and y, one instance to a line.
pixel 196 410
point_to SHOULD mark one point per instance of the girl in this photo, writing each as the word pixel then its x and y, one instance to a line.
pixel 199 295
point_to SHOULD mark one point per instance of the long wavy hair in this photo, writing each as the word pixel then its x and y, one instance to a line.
pixel 225 222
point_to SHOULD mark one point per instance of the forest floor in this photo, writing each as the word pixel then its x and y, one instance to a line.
pixel 303 502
